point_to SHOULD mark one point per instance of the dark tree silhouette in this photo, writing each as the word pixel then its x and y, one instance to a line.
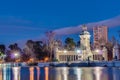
pixel 2 48
pixel 70 44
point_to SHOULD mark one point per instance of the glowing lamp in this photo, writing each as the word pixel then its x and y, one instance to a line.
pixel 97 50
pixel 78 51
pixel 46 59
pixel 16 54
pixel 65 51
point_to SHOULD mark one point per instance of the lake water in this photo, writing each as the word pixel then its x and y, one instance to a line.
pixel 59 73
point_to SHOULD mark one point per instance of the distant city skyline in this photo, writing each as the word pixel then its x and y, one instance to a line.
pixel 23 20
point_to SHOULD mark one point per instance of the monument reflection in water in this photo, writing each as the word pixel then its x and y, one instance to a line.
pixel 59 73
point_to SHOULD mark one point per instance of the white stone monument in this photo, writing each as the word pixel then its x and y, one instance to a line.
pixel 85 44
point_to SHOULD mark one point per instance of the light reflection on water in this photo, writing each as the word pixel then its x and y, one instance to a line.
pixel 16 73
pixel 59 73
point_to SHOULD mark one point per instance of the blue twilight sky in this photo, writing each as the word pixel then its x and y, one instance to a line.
pixel 30 19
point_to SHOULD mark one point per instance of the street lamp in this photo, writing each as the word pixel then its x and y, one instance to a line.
pixel 65 51
pixel 97 50
pixel 78 51
pixel 16 54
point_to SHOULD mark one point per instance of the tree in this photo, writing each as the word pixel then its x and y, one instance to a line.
pixel 29 48
pixel 70 44
pixel 14 47
pixel 113 40
pixel 2 48
pixel 25 57
pixel 109 47
pixel 35 49
pixel 2 52
pixel 50 44
pixel 38 49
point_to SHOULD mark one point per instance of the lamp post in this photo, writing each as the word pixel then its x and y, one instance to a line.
pixel 16 55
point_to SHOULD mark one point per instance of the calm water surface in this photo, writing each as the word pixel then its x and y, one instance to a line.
pixel 59 73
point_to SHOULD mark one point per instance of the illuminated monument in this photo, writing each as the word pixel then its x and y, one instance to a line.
pixel 82 53
pixel 85 44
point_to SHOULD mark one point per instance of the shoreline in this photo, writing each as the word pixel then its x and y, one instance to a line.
pixel 65 64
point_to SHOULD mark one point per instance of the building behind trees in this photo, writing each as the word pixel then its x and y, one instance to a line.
pixel 100 34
